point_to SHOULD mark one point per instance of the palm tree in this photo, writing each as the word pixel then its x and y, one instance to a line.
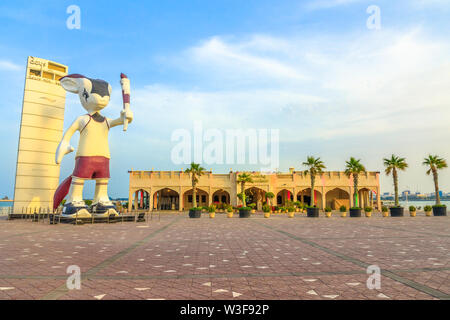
pixel 435 163
pixel 316 166
pixel 392 165
pixel 243 178
pixel 195 171
pixel 270 196
pixel 354 168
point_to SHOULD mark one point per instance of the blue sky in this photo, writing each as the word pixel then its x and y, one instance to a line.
pixel 312 69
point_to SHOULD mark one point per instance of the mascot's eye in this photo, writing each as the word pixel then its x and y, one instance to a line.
pixel 85 94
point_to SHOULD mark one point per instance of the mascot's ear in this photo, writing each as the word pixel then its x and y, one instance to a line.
pixel 72 82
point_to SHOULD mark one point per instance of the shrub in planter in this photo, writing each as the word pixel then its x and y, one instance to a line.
pixel 291 212
pixel 396 211
pixel 302 207
pixel 267 209
pixel 343 210
pixel 212 211
pixel 368 211
pixel 328 212
pixel 439 210
pixel 355 212
pixel 385 211
pixel 195 212
pixel 428 210
pixel 252 206
pixel 230 212
pixel 244 212
pixel 412 211
pixel 312 212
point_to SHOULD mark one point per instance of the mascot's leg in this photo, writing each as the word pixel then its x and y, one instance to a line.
pixel 101 204
pixel 75 206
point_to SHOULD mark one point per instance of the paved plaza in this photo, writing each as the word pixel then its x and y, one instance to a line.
pixel 175 257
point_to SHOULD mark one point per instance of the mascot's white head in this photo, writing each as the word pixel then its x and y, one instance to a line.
pixel 94 93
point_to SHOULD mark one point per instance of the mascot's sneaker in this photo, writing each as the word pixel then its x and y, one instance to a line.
pixel 76 209
pixel 104 209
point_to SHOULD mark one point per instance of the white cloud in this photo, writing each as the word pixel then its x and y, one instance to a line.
pixel 326 4
pixel 9 66
pixel 375 79
pixel 370 94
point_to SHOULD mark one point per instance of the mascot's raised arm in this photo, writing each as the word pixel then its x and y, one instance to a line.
pixel 92 157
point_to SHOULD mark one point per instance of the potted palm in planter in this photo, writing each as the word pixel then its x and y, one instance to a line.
pixel 245 212
pixel 435 163
pixel 343 210
pixel 427 210
pixel 384 211
pixel 266 209
pixel 195 212
pixel 353 169
pixel 392 166
pixel 252 206
pixel 195 171
pixel 328 212
pixel 291 212
pixel 412 211
pixel 312 212
pixel 315 167
pixel 368 211
pixel 297 205
pixel 244 178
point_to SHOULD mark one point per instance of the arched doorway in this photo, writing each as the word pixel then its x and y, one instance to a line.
pixel 284 197
pixel 221 197
pixel 366 198
pixel 306 195
pixel 255 195
pixel 141 200
pixel 336 198
pixel 202 199
pixel 166 199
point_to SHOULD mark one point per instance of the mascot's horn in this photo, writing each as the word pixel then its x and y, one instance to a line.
pixel 61 192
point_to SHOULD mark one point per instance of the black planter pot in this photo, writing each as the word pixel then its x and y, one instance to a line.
pixel 355 213
pixel 312 212
pixel 396 212
pixel 244 213
pixel 195 213
pixel 439 211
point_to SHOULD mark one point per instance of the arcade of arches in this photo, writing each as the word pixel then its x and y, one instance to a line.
pixel 172 190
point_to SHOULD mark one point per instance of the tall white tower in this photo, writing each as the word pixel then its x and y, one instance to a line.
pixel 41 128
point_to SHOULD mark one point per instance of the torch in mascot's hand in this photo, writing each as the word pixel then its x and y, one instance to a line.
pixel 125 83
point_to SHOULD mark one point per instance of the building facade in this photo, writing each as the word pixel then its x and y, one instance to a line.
pixel 172 190
pixel 41 129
